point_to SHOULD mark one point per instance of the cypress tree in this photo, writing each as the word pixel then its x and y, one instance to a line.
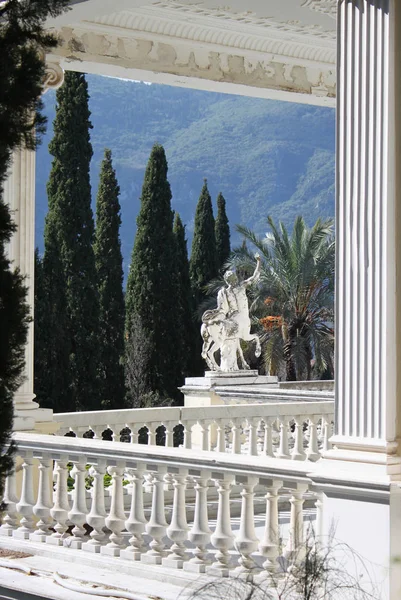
pixel 202 267
pixel 222 231
pixel 109 270
pixel 203 263
pixel 69 262
pixel 184 298
pixel 151 293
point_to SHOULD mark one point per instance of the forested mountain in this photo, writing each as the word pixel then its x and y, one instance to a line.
pixel 266 157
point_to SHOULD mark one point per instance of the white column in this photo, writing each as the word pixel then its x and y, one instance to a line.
pixel 368 213
pixel 19 194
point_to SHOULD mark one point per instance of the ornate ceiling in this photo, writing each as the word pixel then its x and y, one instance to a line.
pixel 276 48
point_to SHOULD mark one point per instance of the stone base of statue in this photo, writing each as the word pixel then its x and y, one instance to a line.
pixel 205 391
pixel 219 387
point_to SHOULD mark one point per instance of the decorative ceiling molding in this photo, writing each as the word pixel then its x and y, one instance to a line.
pixel 242 31
pixel 326 7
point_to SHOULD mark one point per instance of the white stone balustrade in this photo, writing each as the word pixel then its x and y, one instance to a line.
pixel 285 429
pixel 180 531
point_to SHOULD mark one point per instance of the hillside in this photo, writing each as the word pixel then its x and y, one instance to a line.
pixel 266 157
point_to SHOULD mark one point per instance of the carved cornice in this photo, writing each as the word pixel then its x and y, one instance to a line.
pixel 242 31
pixel 326 7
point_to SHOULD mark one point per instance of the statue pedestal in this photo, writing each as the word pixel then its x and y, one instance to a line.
pixel 201 391
pixel 204 391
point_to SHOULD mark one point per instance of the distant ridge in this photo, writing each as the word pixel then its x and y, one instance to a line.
pixel 267 157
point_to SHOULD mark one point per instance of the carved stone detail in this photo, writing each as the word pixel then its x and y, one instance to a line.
pixel 227 65
pixel 245 31
pixel 326 7
pixel 54 76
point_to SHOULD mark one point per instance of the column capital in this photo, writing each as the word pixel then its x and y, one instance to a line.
pixel 54 73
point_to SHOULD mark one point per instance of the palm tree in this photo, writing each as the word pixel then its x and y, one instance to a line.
pixel 294 301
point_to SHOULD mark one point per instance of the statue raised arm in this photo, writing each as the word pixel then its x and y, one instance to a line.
pixel 224 327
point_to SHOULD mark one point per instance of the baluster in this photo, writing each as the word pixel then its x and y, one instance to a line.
pixel 200 533
pixel 298 452
pixel 134 435
pixel 116 519
pixel 156 527
pixel 44 501
pixel 188 434
pixel 79 510
pixel 96 517
pixel 269 546
pixel 283 450
pixel 237 432
pixel 204 425
pixel 152 433
pixel 222 537
pixel 295 549
pixel 59 512
pixel 98 432
pixel 319 516
pixel 253 436
pixel 169 427
pixel 327 427
pixel 312 452
pixel 221 436
pixel 135 524
pixel 177 531
pixel 27 501
pixel 246 541
pixel 268 439
pixel 10 500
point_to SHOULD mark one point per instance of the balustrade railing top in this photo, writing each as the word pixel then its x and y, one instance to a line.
pixel 297 430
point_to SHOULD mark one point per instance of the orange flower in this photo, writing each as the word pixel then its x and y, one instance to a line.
pixel 268 300
pixel 271 321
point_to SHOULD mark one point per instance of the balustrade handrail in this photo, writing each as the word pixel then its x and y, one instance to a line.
pixel 57 448
pixel 193 414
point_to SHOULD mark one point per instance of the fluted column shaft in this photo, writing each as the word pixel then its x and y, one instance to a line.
pixel 19 194
pixel 368 213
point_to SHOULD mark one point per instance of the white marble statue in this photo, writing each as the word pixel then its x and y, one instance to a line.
pixel 224 327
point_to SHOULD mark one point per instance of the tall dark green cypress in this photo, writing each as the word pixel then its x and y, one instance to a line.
pixel 203 264
pixel 69 262
pixel 151 293
pixel 222 231
pixel 202 267
pixel 109 270
pixel 184 298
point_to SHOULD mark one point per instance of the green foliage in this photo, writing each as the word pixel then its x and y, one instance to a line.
pixel 69 262
pixel 14 319
pixel 203 263
pixel 109 271
pixel 295 297
pixel 151 293
pixel 21 75
pixel 22 71
pixel 222 231
pixel 184 299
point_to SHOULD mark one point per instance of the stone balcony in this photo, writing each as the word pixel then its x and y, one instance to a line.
pixel 236 497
